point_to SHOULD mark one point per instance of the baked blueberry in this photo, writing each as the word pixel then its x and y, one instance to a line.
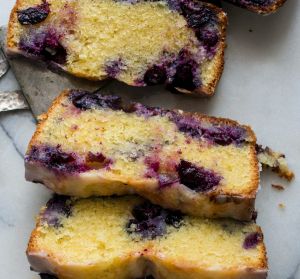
pixel 34 15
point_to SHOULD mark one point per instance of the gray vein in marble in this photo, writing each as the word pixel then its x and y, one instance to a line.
pixel 12 140
pixel 295 272
pixel 6 222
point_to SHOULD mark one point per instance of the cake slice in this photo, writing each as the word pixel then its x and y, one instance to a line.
pixel 259 6
pixel 128 237
pixel 173 42
pixel 90 144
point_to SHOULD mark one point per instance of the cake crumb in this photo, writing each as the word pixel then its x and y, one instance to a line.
pixel 276 161
pixel 281 205
pixel 278 187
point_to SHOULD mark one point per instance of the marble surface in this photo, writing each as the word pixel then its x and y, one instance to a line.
pixel 260 86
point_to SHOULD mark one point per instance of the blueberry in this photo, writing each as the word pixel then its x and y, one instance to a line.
pixel 145 111
pixel 56 207
pixel 151 221
pixel 207 37
pixel 34 15
pixel 155 75
pixel 146 211
pixel 54 158
pixel 85 100
pixel 198 20
pixel 174 218
pixel 198 16
pixel 252 240
pixel 45 44
pixel 188 125
pixel 225 135
pixel 197 178
pixel 184 77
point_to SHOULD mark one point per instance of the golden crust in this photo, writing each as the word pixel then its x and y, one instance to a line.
pixel 204 90
pixel 261 9
pixel 218 60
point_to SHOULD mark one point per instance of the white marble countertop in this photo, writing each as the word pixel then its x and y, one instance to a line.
pixel 260 86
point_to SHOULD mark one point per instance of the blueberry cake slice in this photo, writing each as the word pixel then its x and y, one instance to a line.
pixel 259 6
pixel 128 237
pixel 90 144
pixel 179 43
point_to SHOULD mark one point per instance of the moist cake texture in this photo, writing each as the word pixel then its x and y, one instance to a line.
pixel 179 43
pixel 127 237
pixel 90 144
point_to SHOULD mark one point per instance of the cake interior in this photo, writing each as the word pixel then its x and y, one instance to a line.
pixel 110 248
pixel 138 42
pixel 94 133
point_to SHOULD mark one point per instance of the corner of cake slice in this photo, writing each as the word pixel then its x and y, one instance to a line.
pixel 263 7
pixel 128 237
pixel 177 43
pixel 90 144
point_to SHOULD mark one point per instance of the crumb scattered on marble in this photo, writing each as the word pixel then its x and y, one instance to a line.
pixel 281 206
pixel 276 161
pixel 278 187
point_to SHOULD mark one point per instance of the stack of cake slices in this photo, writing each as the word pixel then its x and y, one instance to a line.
pixel 143 191
pixel 140 192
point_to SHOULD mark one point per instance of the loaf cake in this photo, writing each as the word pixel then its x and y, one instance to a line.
pixel 179 43
pixel 90 144
pixel 259 6
pixel 128 237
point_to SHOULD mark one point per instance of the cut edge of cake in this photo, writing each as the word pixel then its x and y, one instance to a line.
pixel 147 262
pixel 216 203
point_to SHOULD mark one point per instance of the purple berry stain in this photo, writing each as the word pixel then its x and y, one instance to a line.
pixel 85 100
pixel 187 125
pixel 155 75
pixel 225 135
pixel 197 178
pixel 34 15
pixel 222 135
pixel 56 208
pixel 252 240
pixel 54 158
pixel 45 44
pixel 151 221
pixel 113 68
pixel 152 167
